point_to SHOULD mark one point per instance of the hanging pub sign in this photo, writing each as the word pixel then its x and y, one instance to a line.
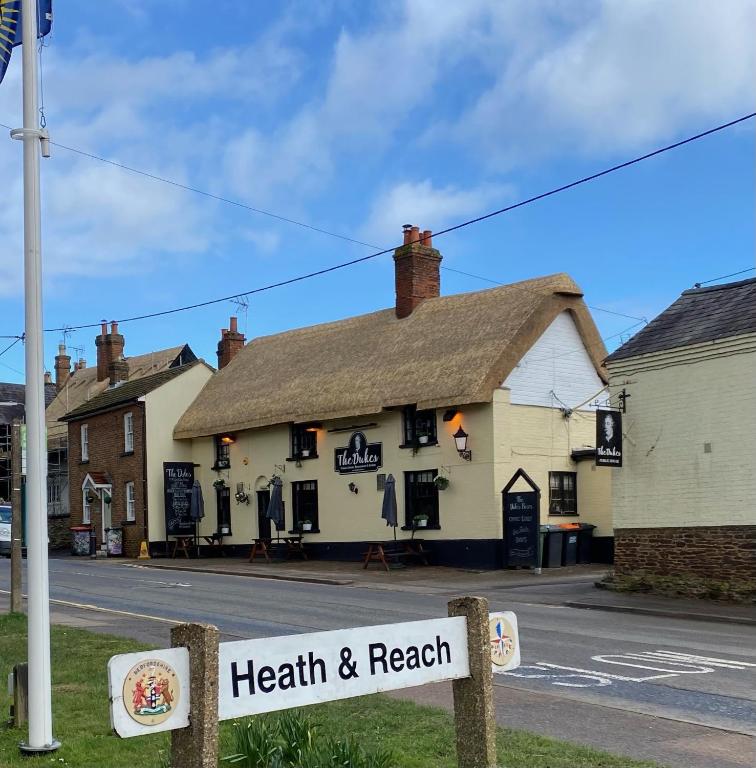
pixel 178 479
pixel 358 456
pixel 608 438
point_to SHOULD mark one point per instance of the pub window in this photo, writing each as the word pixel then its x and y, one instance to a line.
pixel 128 432
pixel 130 503
pixel 85 442
pixel 421 497
pixel 222 452
pixel 563 493
pixel 304 498
pixel 304 441
pixel 419 427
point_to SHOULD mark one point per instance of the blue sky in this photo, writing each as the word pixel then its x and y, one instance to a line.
pixel 358 118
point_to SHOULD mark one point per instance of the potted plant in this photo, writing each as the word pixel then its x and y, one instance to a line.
pixel 305 525
pixel 420 521
pixel 107 498
pixel 422 439
pixel 225 529
pixel 219 483
pixel 441 482
pixel 305 453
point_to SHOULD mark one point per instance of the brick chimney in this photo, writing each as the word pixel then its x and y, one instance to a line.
pixel 231 343
pixel 118 371
pixel 80 366
pixel 109 349
pixel 416 270
pixel 62 367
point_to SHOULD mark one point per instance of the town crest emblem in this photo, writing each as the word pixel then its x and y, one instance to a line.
pixel 502 637
pixel 151 691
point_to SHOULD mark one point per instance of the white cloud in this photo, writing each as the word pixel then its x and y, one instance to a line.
pixel 631 74
pixel 429 207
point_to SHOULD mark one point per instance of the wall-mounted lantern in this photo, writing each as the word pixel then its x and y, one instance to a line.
pixel 460 440
pixel 228 439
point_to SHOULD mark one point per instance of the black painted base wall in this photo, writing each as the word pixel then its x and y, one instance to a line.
pixel 483 554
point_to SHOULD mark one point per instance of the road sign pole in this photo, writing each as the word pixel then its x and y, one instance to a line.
pixel 40 697
pixel 16 518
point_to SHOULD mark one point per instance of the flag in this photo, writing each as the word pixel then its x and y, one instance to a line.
pixel 44 21
pixel 11 28
pixel 10 25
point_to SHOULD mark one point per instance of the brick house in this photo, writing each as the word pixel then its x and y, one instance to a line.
pixel 684 501
pixel 117 442
pixel 77 386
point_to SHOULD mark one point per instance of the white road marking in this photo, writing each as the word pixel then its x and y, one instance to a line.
pixel 712 662
pixel 607 675
pixel 631 659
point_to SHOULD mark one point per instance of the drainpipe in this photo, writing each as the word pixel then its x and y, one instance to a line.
pixel 145 530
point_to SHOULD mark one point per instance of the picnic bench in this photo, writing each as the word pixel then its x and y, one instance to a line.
pixel 182 544
pixel 406 550
pixel 295 546
pixel 215 542
pixel 260 547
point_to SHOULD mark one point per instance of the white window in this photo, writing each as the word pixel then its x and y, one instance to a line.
pixel 85 442
pixel 128 432
pixel 130 504
pixel 86 518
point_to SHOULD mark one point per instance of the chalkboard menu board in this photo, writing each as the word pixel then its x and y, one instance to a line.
pixel 521 525
pixel 178 479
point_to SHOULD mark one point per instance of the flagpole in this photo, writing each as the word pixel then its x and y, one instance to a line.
pixel 38 589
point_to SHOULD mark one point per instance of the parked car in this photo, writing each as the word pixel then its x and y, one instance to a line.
pixel 5 530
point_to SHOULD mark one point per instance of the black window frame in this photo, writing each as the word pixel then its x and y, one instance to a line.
pixel 412 499
pixel 417 424
pixel 563 500
pixel 222 454
pixel 223 506
pixel 303 437
pixel 303 507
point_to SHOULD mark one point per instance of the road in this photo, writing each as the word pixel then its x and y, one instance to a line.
pixel 676 691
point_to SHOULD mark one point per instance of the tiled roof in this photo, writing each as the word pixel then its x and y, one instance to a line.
pixel 126 392
pixel 16 393
pixel 699 315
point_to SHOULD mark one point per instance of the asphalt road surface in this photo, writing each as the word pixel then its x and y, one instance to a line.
pixel 676 691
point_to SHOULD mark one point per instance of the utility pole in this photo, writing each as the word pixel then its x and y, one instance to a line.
pixel 16 520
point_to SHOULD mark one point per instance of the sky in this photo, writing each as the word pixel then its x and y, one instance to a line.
pixel 357 118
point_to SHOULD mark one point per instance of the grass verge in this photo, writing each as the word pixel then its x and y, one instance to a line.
pixel 418 737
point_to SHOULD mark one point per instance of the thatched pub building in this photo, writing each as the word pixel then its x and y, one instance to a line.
pixel 511 371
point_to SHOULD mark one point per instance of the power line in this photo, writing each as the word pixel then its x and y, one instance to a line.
pixel 724 277
pixel 11 345
pixel 384 251
pixel 590 306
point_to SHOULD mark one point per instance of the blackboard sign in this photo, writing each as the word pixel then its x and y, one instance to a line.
pixel 521 524
pixel 358 456
pixel 178 479
pixel 608 438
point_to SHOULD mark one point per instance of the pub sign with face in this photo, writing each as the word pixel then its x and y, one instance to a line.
pixel 608 438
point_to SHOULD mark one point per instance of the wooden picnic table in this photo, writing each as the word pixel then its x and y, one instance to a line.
pixel 215 541
pixel 182 544
pixel 404 549
pixel 260 547
pixel 295 546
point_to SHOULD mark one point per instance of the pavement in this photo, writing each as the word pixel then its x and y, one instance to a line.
pixel 672 689
pixel 468 581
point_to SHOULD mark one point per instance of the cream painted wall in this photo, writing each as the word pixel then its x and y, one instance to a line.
pixel 681 401
pixel 540 440
pixel 163 408
pixel 557 364
pixel 469 508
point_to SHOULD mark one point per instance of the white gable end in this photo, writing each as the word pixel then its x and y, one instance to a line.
pixel 556 371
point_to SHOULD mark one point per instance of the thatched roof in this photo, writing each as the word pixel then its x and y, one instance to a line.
pixel 83 386
pixel 452 350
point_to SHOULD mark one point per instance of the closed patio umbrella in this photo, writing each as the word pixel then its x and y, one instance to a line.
pixel 275 510
pixel 388 508
pixel 196 503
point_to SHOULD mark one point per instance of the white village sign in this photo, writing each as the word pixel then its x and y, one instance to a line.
pixel 152 691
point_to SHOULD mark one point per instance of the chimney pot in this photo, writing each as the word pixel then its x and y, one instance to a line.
pixel 103 328
pixel 406 232
pixel 62 367
pixel 231 343
pixel 416 270
pixel 114 327
pixel 48 377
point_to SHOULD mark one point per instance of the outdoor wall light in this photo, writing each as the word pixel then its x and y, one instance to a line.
pixel 450 414
pixel 353 488
pixel 227 439
pixel 460 440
